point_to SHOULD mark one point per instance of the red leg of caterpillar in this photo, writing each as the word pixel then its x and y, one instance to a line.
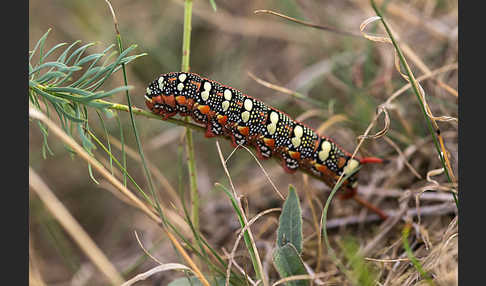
pixel 348 193
pixel 209 132
pixel 371 207
pixel 367 160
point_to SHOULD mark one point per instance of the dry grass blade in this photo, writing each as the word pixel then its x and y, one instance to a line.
pixel 188 259
pixel 421 78
pixel 387 260
pixel 36 114
pixel 155 270
pixel 336 118
pixel 308 114
pixel 145 250
pixel 272 86
pixel 308 24
pixel 287 91
pixel 72 227
pixel 404 158
pixel 261 167
pixel 432 173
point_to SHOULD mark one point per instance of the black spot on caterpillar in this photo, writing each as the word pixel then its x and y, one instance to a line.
pixel 248 121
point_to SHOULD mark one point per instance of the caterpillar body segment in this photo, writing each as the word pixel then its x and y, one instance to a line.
pixel 228 112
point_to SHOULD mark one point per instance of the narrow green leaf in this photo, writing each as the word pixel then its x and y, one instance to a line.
pixel 49 76
pixel 79 52
pixel 288 263
pixel 39 43
pixel 62 57
pixel 213 5
pixel 290 222
pixel 54 48
pixel 48 65
pixel 47 95
pixel 72 90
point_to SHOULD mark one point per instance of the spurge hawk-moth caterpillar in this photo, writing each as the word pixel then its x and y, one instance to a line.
pixel 248 121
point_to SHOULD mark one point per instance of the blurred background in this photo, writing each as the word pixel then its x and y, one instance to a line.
pixel 349 75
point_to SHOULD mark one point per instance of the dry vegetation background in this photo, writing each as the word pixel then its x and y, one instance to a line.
pixel 350 75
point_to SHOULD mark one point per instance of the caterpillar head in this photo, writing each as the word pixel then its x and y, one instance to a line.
pixel 350 186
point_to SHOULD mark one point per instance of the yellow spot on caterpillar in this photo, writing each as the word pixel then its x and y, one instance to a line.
pixel 227 94
pixel 325 149
pixel 298 131
pixel 182 77
pixel 225 105
pixel 271 128
pixel 148 98
pixel 148 90
pixel 245 116
pixel 248 104
pixel 205 95
pixel 296 141
pixel 180 86
pixel 161 82
pixel 274 117
pixel 207 86
pixel 352 164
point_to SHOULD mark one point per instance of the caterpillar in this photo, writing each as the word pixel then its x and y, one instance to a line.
pixel 248 121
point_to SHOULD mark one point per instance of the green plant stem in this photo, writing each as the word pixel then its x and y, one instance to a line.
pixel 138 111
pixel 191 162
pixel 415 88
pixel 247 236
pixel 331 251
pixel 186 40
pixel 135 131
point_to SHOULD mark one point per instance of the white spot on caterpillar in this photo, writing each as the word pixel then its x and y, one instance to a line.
pixel 182 77
pixel 274 117
pixel 161 82
pixel 245 116
pixel 227 94
pixel 271 128
pixel 248 104
pixel 298 131
pixel 296 141
pixel 350 166
pixel 148 90
pixel 180 86
pixel 207 86
pixel 205 95
pixel 325 149
pixel 225 105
